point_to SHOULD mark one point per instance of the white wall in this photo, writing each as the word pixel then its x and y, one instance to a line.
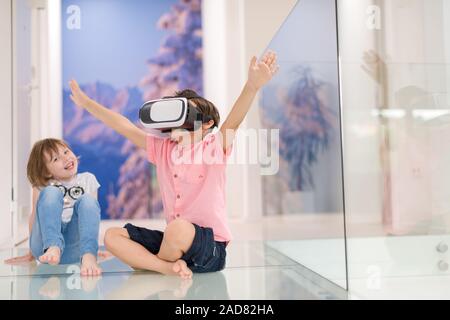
pixel 5 121
pixel 399 163
pixel 395 165
pixel 22 114
pixel 361 130
pixel 418 80
pixel 36 90
pixel 234 31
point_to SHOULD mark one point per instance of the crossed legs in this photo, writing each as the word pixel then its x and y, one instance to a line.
pixel 177 240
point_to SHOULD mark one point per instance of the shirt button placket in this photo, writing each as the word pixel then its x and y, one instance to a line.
pixel 176 215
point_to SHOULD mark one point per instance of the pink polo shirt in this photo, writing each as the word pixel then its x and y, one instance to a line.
pixel 192 181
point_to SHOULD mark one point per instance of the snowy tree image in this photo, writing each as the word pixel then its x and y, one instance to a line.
pixel 304 108
pixel 178 65
pixel 306 123
pixel 179 62
pixel 129 188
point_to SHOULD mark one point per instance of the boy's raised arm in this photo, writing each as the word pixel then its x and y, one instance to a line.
pixel 112 119
pixel 258 75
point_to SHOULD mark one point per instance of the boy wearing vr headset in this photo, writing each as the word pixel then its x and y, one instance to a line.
pixel 193 192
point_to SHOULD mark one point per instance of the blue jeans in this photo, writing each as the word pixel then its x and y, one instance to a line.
pixel 75 238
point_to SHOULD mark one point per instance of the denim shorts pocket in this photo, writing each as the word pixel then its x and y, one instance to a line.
pixel 209 262
pixel 223 259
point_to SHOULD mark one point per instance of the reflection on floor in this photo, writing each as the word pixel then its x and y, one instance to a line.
pixel 266 260
pixel 402 267
pixel 401 288
pixel 310 253
pixel 254 271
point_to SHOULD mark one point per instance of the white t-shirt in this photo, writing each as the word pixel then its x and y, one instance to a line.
pixel 82 183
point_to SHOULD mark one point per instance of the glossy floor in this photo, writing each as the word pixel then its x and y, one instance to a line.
pixel 254 271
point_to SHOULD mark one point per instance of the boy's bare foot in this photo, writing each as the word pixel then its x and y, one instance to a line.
pixel 89 266
pixel 183 289
pixel 51 256
pixel 180 268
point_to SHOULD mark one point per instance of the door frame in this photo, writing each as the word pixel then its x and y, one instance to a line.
pixel 6 127
pixel 44 86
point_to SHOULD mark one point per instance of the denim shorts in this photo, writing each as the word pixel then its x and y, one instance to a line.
pixel 204 255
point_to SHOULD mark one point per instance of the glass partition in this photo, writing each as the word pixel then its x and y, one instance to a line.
pixel 395 99
pixel 302 102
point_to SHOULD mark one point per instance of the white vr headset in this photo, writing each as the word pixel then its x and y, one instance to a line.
pixel 171 113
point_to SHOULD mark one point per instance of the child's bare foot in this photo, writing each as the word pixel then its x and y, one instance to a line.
pixel 52 289
pixel 89 266
pixel 183 289
pixel 180 268
pixel 51 256
pixel 89 283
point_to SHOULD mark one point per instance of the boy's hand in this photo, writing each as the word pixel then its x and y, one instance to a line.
pixel 78 96
pixel 261 72
pixel 110 118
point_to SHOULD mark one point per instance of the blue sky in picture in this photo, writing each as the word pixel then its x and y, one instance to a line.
pixel 115 40
pixel 107 54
